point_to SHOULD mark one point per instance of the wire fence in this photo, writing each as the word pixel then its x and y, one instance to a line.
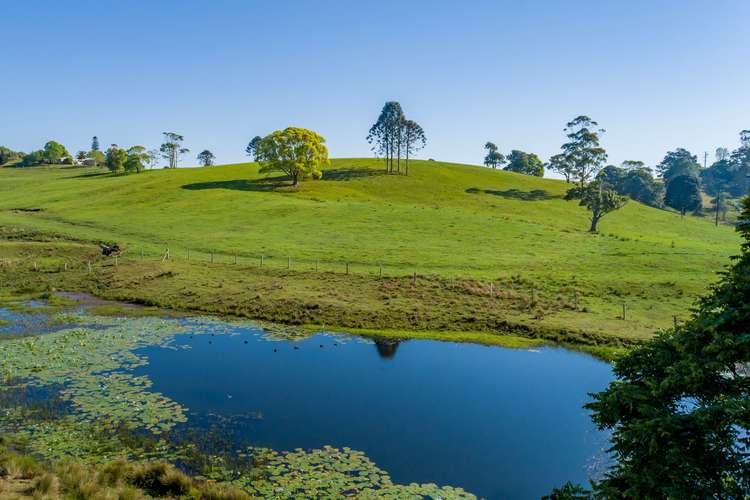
pixel 532 294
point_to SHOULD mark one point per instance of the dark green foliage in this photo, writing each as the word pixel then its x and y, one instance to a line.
pixel 683 194
pixel 680 409
pixel 677 163
pixel 32 159
pixel 569 491
pixel 636 183
pixel 493 158
pixel 598 198
pixel 8 155
pixel 252 147
pixel 525 163
pixel 206 158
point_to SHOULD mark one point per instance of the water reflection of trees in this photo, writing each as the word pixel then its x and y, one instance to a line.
pixel 387 347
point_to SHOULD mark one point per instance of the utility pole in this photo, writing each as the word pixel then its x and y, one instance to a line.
pixel 705 159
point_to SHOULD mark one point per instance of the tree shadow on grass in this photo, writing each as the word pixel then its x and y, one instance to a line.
pixel 264 184
pixel 515 194
pixel 347 174
pixel 90 175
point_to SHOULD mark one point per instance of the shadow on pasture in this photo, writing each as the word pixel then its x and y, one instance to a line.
pixel 90 175
pixel 347 174
pixel 515 194
pixel 264 184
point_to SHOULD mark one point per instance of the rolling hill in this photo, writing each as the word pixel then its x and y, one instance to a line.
pixel 444 220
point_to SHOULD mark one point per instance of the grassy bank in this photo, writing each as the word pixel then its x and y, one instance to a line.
pixel 493 251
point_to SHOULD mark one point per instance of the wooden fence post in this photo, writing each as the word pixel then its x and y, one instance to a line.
pixel 414 278
pixel 188 255
pixel 288 262
pixel 623 311
pixel 576 299
pixel 212 256
pixel 316 265
pixel 261 261
pixel 347 268
pixel 115 260
pixel 380 272
pixel 235 257
pixel 89 266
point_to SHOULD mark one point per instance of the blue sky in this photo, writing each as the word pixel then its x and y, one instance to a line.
pixel 655 74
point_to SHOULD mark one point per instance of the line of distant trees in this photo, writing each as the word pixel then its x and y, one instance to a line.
pixel 678 181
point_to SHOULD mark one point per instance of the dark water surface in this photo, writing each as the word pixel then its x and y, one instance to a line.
pixel 501 423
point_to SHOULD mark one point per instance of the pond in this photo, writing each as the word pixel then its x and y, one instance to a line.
pixel 501 423
pixel 497 422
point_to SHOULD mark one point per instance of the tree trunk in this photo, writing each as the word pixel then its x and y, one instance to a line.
pixel 594 222
pixel 295 179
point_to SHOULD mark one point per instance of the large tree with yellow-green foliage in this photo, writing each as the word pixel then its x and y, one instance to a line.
pixel 298 152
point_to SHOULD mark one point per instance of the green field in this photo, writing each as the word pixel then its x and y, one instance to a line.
pixel 445 221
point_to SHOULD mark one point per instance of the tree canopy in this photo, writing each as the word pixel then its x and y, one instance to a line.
pixel 299 153
pixel 634 180
pixel 583 152
pixel 679 410
pixel 678 162
pixel 206 158
pixel 393 136
pixel 683 194
pixel 599 199
pixel 171 149
pixel 524 163
pixel 252 147
pixel 493 158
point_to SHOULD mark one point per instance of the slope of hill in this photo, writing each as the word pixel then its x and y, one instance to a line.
pixel 447 220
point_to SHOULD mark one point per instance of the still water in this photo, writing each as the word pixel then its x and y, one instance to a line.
pixel 501 423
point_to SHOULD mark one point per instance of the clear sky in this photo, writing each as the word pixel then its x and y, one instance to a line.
pixel 655 74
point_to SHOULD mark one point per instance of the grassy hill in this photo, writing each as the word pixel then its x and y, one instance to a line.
pixel 445 220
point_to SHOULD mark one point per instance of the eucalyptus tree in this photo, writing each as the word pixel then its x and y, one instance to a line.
pixel 599 199
pixel 583 149
pixel 206 158
pixel 493 158
pixel 172 148
pixel 414 139
pixel 385 135
pixel 563 165
pixel 137 157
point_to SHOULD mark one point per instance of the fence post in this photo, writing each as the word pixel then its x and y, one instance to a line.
pixel 414 278
pixel 89 265
pixel 288 262
pixel 347 268
pixel 141 253
pixel 316 265
pixel 675 320
pixel 623 311
pixel 380 271
pixel 188 257
pixel 576 299
pixel 115 260
pixel 35 268
pixel 492 288
pixel 235 257
pixel 261 261
pixel 212 256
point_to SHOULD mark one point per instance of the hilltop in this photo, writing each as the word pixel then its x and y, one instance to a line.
pixel 444 221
